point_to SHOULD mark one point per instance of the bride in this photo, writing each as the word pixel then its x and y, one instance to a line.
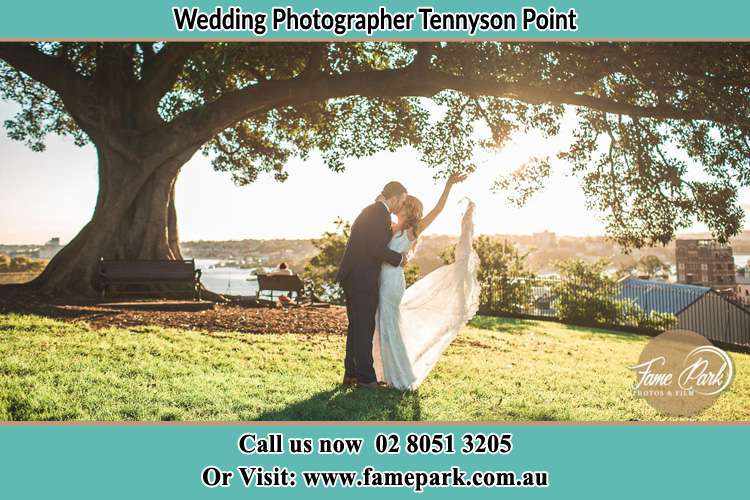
pixel 415 325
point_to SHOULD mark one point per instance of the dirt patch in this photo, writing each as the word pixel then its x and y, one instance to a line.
pixel 223 317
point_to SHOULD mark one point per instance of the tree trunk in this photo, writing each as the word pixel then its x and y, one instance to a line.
pixel 173 236
pixel 134 218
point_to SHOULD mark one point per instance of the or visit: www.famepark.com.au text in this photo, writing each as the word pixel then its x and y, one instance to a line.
pixel 417 480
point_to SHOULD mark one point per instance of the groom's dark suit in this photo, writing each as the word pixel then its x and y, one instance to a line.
pixel 358 274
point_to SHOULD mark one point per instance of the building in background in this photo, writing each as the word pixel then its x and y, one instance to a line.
pixel 544 239
pixel 30 252
pixel 697 308
pixel 743 287
pixel 653 296
pixel 706 263
pixel 50 249
pixel 718 319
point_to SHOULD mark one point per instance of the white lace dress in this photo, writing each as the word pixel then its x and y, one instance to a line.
pixel 415 326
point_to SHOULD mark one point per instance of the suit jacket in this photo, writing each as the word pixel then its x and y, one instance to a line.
pixel 367 249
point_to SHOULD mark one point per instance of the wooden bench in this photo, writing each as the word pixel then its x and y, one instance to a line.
pixel 143 275
pixel 289 283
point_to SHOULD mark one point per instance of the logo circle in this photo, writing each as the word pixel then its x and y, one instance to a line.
pixel 680 373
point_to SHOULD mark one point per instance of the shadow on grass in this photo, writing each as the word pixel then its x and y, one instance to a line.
pixel 345 403
pixel 504 325
pixel 520 326
pixel 526 414
pixel 610 334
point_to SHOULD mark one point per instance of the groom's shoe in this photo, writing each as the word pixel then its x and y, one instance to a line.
pixel 349 381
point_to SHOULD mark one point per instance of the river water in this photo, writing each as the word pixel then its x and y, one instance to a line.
pixel 226 280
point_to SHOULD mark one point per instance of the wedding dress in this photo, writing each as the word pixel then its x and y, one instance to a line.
pixel 415 325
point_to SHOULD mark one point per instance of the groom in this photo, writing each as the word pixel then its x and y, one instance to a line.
pixel 358 275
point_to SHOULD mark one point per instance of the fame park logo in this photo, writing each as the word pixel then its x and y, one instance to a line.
pixel 680 373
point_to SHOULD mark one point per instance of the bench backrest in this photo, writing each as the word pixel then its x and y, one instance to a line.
pixel 280 282
pixel 147 270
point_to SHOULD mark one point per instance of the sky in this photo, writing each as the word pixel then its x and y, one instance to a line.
pixel 53 194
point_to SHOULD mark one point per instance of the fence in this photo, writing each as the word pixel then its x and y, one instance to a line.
pixel 642 306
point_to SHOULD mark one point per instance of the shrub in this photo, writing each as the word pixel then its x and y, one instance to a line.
pixel 21 264
pixel 585 295
pixel 503 276
pixel 322 267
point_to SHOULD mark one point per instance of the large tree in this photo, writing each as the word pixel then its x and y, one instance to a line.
pixel 643 110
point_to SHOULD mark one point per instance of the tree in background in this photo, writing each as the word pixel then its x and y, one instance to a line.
pixel 626 270
pixel 649 266
pixel 4 263
pixel 21 264
pixel 321 268
pixel 149 107
pixel 653 267
pixel 503 276
pixel 585 295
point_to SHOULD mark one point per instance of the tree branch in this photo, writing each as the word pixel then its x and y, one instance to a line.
pixel 541 95
pixel 161 70
pixel 423 57
pixel 201 124
pixel 51 71
pixel 316 62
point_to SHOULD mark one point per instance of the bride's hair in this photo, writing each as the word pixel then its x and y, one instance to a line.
pixel 413 213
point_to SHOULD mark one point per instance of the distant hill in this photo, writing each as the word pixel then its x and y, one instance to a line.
pixel 543 251
pixel 259 252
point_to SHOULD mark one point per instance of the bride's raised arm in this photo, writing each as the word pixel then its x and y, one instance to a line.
pixel 432 215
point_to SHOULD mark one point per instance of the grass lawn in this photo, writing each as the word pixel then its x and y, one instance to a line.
pixel 498 369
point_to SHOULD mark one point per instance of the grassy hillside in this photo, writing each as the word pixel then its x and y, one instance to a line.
pixel 496 370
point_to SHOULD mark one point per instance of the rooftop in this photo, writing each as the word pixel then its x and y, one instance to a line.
pixel 660 296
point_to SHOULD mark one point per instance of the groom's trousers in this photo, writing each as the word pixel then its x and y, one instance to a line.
pixel 361 307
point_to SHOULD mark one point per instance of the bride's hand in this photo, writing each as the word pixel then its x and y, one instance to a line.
pixel 455 178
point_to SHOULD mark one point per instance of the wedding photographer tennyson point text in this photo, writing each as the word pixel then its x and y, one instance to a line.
pixel 426 19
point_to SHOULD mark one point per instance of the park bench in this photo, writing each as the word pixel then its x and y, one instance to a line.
pixel 285 283
pixel 149 277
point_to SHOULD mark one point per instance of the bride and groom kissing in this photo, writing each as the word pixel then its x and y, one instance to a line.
pixel 396 335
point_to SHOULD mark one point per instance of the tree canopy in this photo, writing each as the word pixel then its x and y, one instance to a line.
pixel 645 112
